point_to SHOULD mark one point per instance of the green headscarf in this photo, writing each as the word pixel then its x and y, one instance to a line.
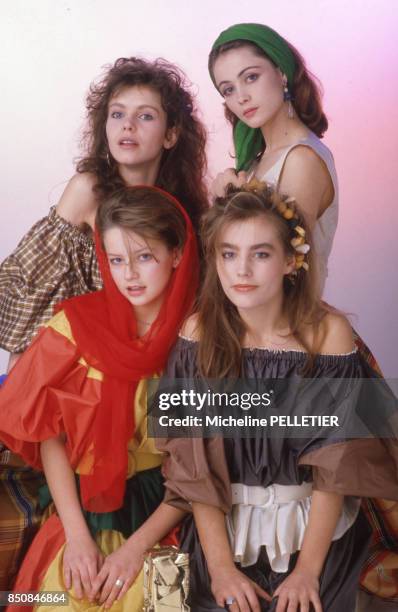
pixel 249 141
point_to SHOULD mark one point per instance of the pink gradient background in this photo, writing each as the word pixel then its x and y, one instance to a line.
pixel 50 51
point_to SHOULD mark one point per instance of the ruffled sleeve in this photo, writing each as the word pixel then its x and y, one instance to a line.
pixel 50 391
pixel 363 460
pixel 195 469
pixel 54 261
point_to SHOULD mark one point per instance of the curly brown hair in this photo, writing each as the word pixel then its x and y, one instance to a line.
pixel 183 167
pixel 306 89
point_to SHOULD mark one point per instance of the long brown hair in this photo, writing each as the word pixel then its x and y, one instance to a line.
pixel 220 326
pixel 146 212
pixel 306 89
pixel 183 167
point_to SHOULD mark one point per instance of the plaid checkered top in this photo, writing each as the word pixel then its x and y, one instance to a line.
pixel 55 260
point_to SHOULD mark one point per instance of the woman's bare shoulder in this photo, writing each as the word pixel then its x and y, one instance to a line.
pixel 78 202
pixel 338 335
pixel 303 157
pixel 306 177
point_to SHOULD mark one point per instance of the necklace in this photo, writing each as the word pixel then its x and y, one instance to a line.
pixel 282 341
pixel 266 342
pixel 144 322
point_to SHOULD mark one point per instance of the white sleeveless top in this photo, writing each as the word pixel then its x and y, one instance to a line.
pixel 325 226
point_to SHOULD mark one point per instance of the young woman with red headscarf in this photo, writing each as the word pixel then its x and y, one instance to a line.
pixel 73 417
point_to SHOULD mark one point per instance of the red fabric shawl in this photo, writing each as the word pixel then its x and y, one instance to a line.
pixel 104 328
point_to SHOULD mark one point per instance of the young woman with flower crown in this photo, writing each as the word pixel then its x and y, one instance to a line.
pixel 142 129
pixel 285 509
pixel 274 105
pixel 82 416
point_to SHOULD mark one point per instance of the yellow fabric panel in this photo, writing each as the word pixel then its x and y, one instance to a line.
pixel 142 452
pixel 107 541
pixel 91 372
pixel 61 325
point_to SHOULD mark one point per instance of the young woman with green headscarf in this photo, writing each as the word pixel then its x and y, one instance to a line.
pixel 274 106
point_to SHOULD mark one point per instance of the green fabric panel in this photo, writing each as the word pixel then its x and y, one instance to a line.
pixel 144 492
pixel 248 144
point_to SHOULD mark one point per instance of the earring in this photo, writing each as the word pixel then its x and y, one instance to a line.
pixel 108 158
pixel 287 97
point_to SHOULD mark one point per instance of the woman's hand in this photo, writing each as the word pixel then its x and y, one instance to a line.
pixel 81 564
pixel 230 583
pixel 297 591
pixel 117 574
pixel 225 178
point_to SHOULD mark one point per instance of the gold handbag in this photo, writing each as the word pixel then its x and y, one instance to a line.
pixel 166 580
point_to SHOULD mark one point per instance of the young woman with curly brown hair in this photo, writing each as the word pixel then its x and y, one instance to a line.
pixel 142 129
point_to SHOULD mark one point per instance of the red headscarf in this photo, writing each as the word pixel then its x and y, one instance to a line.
pixel 104 328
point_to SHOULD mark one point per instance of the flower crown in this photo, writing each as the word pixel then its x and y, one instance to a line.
pixel 286 207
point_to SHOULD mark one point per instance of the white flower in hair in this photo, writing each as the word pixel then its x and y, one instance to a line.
pixel 303 248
